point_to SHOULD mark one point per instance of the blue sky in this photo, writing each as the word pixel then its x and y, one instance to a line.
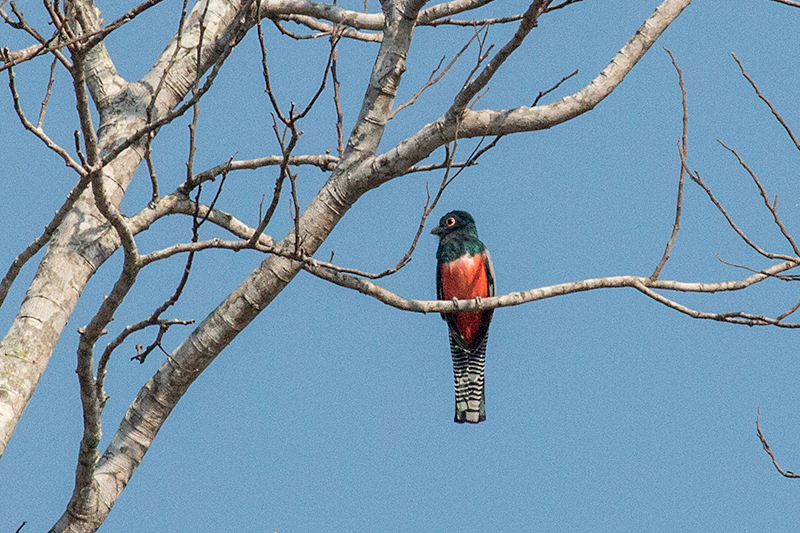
pixel 333 412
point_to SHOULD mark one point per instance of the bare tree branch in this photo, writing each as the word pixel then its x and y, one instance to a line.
pixel 764 99
pixel 154 102
pixel 324 30
pixel 39 132
pixel 48 93
pixel 433 79
pixel 487 122
pixel 529 21
pixel 88 40
pixel 644 285
pixel 544 93
pixel 337 102
pixel 772 208
pixel 682 150
pixel 695 176
pixel 788 2
pixel 784 473
pixel 16 57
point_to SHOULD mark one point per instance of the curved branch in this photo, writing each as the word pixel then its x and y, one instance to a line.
pixel 493 122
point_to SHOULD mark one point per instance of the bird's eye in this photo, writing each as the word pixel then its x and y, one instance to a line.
pixel 450 222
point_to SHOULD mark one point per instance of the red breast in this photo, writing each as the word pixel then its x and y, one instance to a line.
pixel 465 279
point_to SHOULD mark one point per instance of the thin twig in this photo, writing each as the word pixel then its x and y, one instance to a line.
pixel 784 473
pixel 336 96
pixel 48 93
pixel 179 111
pixel 123 19
pixel 769 104
pixel 151 170
pixel 84 110
pixel 433 79
pixel 87 41
pixel 782 277
pixel 22 24
pixel 76 135
pixel 554 87
pixel 771 206
pixel 164 325
pixel 483 52
pixel 293 35
pixel 195 90
pixel 170 64
pixel 528 22
pixel 283 173
pixel 683 153
pixel 334 42
pixel 563 4
pixel 295 212
pixel 695 177
pixel 71 163
pixel 265 73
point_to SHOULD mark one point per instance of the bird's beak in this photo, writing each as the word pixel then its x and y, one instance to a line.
pixel 437 230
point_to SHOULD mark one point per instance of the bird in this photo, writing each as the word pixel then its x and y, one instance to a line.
pixel 464 271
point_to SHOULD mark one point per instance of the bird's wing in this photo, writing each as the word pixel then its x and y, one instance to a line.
pixel 486 318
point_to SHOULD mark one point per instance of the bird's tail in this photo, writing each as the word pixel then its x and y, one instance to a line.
pixel 468 367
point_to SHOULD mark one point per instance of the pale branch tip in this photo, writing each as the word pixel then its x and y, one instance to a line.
pixel 791 3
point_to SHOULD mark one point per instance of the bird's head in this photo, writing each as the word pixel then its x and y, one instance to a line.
pixel 455 221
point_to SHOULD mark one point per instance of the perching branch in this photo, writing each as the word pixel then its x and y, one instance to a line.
pixel 645 285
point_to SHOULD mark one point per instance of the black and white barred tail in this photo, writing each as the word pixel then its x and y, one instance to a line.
pixel 468 368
